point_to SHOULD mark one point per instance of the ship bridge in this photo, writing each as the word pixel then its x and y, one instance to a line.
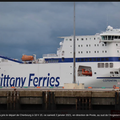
pixel 111 35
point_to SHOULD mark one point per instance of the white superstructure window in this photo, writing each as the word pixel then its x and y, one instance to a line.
pixel 82 39
pixel 106 65
pixel 102 65
pixel 111 65
pixel 98 65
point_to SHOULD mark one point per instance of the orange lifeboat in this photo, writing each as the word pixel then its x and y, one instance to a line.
pixel 86 72
pixel 27 58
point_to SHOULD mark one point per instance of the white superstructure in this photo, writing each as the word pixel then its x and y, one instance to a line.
pixel 97 64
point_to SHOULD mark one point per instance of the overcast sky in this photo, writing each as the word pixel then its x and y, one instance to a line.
pixel 34 27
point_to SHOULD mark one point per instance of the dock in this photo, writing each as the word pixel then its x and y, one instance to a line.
pixel 59 99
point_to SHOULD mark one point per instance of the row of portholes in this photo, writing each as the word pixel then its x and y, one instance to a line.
pixel 83 39
pixel 90 51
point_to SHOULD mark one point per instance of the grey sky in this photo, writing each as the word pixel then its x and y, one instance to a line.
pixel 34 27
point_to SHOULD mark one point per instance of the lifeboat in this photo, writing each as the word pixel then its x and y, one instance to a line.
pixel 86 72
pixel 27 58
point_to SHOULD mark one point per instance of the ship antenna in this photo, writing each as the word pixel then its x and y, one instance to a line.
pixel 74 78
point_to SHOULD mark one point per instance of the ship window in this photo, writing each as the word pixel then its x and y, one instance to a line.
pixel 82 59
pixel 90 59
pixel 102 59
pixel 111 72
pixel 70 39
pixel 105 37
pixel 97 51
pixel 102 44
pixel 105 51
pixel 78 45
pixel 86 51
pixel 102 51
pixel 98 65
pixel 116 44
pixel 77 38
pixel 116 72
pixel 78 51
pixel 94 44
pixel 66 39
pixel 106 59
pixel 115 37
pixel 111 65
pixel 112 37
pixel 94 51
pixel 98 59
pixel 106 65
pixel 97 44
pixel 87 45
pixel 102 65
pixel 94 59
pixel 86 38
pixel 109 38
pixel 62 58
pixel 81 38
pixel 81 51
pixel 81 45
pixel 89 51
pixel 86 59
pixel 78 59
pixel 94 38
pixel 118 51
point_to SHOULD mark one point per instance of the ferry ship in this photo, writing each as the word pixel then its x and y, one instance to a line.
pixel 97 64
